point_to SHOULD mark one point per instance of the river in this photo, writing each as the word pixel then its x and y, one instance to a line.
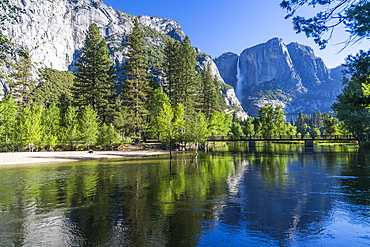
pixel 269 195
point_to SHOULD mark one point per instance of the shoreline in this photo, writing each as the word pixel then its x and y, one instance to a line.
pixel 34 158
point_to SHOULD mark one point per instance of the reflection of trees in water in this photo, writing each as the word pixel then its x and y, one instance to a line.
pixel 284 192
pixel 355 178
pixel 138 203
pixel 152 202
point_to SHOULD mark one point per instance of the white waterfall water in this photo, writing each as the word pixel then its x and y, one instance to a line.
pixel 239 81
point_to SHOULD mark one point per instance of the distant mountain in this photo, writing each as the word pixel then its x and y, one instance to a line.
pixel 274 73
pixel 54 32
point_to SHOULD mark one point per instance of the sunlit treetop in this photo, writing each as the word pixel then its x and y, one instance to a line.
pixel 354 15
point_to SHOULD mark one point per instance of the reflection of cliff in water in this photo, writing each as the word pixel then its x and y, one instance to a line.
pixel 355 179
pixel 282 194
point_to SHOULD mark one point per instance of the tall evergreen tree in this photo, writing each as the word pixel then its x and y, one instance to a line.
pixel 211 95
pixel 136 88
pixel 95 78
pixel 22 82
pixel 172 70
pixel 182 79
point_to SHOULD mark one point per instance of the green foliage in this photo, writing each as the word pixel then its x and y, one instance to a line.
pixel 330 124
pixel 182 80
pixel 69 133
pixel 166 128
pixel 196 129
pixel 22 82
pixel 271 122
pixel 11 13
pixel 95 78
pixel 219 124
pixel 136 88
pixel 316 132
pixel 211 97
pixel 8 121
pixel 354 15
pixel 308 123
pixel 156 103
pixel 108 136
pixel 236 129
pixel 88 127
pixel 29 127
pixel 53 86
pixel 50 128
pixel 353 106
pixel 248 126
pixel 275 94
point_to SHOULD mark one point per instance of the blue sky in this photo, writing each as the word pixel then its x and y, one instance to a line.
pixel 218 26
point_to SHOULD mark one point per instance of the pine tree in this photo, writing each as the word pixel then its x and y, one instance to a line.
pixel 22 82
pixel 182 79
pixel 172 70
pixel 136 88
pixel 95 78
pixel 211 95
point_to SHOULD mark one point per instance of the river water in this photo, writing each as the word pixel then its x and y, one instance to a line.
pixel 270 195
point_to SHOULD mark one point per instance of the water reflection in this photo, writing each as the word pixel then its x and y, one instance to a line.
pixel 273 195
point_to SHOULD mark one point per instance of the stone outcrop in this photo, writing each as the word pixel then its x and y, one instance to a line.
pixel 54 31
pixel 278 74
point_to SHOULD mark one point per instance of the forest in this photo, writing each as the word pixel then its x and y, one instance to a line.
pixel 173 101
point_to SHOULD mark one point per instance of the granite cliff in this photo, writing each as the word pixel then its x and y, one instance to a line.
pixel 54 32
pixel 289 75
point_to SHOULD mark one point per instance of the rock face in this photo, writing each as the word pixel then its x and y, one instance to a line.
pixel 278 74
pixel 54 31
pixel 229 93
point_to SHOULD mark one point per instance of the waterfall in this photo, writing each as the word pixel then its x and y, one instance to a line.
pixel 239 81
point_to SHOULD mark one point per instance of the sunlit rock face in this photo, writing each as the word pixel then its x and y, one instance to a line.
pixel 278 74
pixel 54 31
pixel 227 65
pixel 230 96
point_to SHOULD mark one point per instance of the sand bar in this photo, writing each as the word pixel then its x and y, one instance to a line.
pixel 23 158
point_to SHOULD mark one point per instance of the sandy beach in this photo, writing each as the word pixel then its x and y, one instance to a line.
pixel 23 158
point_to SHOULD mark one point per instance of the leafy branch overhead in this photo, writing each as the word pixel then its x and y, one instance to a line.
pixel 353 15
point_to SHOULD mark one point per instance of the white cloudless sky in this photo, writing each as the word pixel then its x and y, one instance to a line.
pixel 218 26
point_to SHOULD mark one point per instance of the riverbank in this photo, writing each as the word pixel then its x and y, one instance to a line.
pixel 24 158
